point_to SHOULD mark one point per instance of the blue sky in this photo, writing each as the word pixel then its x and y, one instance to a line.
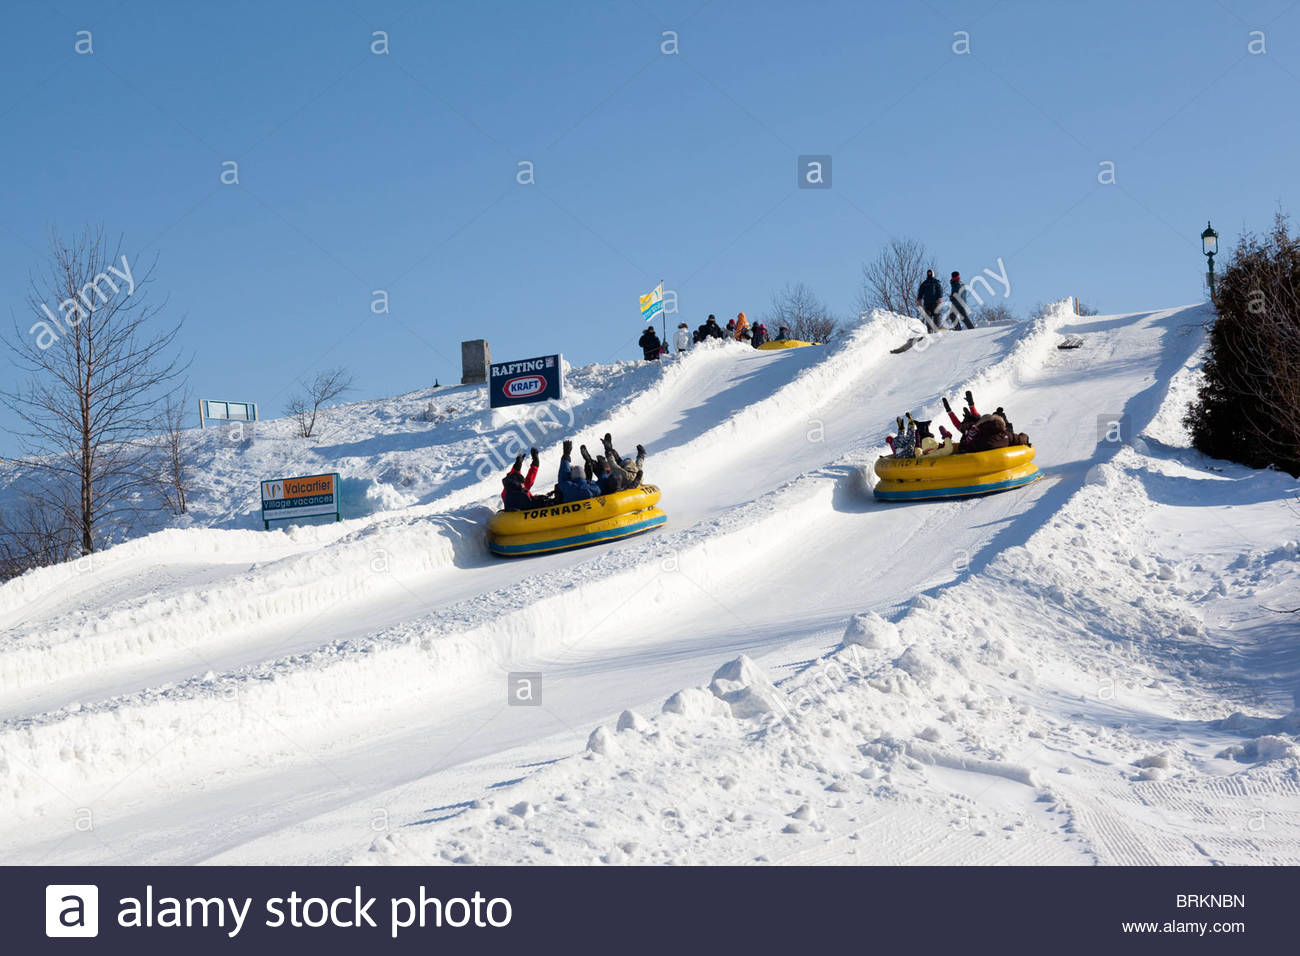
pixel 398 172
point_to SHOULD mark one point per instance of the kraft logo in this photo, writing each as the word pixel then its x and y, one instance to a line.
pixel 524 385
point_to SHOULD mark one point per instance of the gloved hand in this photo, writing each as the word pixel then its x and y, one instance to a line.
pixel 533 452
pixel 568 448
pixel 970 399
pixel 946 407
pixel 586 455
pixel 609 438
pixel 640 450
pixel 519 461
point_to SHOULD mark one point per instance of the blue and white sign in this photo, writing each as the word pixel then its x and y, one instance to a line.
pixel 525 381
pixel 212 410
pixel 284 499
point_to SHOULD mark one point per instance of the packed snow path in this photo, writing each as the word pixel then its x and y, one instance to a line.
pixel 206 691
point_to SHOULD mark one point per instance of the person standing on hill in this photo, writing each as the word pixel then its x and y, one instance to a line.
pixel 957 299
pixel 760 335
pixel 709 330
pixel 682 338
pixel 649 343
pixel 929 297
pixel 742 327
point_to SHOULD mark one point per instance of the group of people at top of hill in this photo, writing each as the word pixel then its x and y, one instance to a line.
pixel 597 476
pixel 978 433
pixel 738 329
pixel 930 298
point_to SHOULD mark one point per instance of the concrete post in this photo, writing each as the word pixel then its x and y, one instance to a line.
pixel 475 358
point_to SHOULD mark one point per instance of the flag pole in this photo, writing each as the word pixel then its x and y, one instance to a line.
pixel 663 313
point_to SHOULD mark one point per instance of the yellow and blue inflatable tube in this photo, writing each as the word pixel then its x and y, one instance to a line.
pixel 575 524
pixel 966 475
pixel 785 344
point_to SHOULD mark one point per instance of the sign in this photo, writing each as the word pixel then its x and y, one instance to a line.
pixel 210 410
pixel 284 499
pixel 652 303
pixel 526 381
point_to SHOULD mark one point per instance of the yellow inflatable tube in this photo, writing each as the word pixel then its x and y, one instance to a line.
pixel 955 476
pixel 575 524
pixel 575 512
pixel 576 536
pixel 785 344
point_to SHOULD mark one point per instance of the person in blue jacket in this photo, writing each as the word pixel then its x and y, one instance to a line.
pixel 573 484
pixel 929 297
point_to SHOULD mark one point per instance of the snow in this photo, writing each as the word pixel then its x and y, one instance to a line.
pixel 1085 670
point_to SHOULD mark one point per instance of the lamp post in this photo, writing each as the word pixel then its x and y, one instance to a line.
pixel 1210 245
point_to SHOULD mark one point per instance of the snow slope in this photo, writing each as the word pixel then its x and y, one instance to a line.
pixel 1049 675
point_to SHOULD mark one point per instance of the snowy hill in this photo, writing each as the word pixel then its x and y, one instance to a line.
pixel 1083 670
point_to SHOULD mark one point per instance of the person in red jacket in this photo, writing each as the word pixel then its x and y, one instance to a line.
pixel 966 424
pixel 984 432
pixel 517 486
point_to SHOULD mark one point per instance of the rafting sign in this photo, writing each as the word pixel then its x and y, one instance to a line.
pixel 525 381
pixel 286 498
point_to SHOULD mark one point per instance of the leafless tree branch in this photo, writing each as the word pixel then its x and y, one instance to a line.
pixel 891 279
pixel 326 386
pixel 97 364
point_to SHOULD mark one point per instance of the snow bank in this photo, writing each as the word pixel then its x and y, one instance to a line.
pixel 1014 675
pixel 298 587
pixel 207 722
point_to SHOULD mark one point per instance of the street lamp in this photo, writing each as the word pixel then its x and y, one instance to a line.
pixel 1210 245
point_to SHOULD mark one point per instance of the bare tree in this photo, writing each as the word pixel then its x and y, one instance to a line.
pixel 1039 310
pixel 34 533
pixel 176 454
pixel 799 310
pixel 97 368
pixel 891 279
pixel 996 312
pixel 325 387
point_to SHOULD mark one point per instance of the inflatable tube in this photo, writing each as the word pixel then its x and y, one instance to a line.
pixel 785 344
pixel 554 517
pixel 576 536
pixel 955 476
pixel 961 465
